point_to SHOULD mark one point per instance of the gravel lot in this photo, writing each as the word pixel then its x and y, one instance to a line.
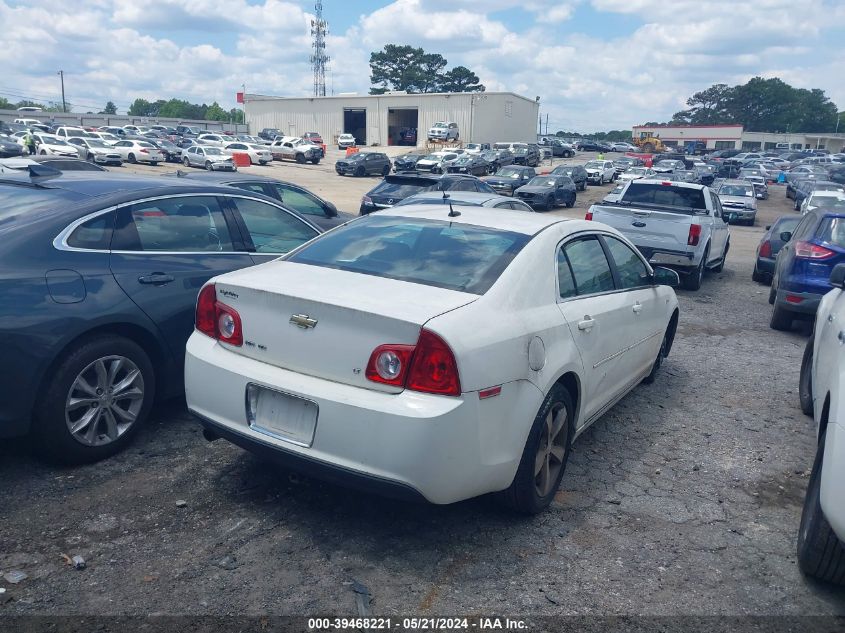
pixel 684 499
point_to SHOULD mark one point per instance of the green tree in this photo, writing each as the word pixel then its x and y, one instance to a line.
pixel 707 107
pixel 236 115
pixel 216 113
pixel 109 109
pixel 140 107
pixel 461 79
pixel 5 104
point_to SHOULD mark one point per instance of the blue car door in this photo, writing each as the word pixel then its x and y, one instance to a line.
pixel 165 249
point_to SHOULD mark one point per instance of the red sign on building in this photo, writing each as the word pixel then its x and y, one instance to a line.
pixel 239 97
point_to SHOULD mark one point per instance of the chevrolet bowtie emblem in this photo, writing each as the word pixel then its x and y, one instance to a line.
pixel 303 320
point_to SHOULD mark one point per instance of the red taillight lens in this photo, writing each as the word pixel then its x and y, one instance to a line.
pixel 216 319
pixel 812 251
pixel 434 368
pixel 766 249
pixel 694 234
pixel 389 364
pixel 143 151
pixel 428 366
pixel 588 215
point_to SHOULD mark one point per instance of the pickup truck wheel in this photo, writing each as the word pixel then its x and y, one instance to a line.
pixel 781 319
pixel 693 280
pixel 820 553
pixel 805 382
pixel 544 456
pixel 300 158
pixel 721 265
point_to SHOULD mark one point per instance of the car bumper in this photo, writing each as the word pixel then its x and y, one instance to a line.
pixel 682 261
pixel 443 449
pixel 808 304
pixel 594 177
pixel 833 474
pixel 733 214
pixel 504 190
pixel 223 167
pixel 766 266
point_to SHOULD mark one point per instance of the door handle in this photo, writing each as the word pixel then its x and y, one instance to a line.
pixel 587 323
pixel 156 279
pixel 638 307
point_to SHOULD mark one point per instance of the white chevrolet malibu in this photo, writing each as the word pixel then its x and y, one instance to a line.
pixel 430 353
pixel 821 537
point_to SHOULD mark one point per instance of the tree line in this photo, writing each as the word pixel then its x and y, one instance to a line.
pixel 409 69
pixel 762 105
pixel 181 109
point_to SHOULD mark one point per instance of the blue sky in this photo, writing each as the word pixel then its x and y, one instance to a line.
pixel 597 64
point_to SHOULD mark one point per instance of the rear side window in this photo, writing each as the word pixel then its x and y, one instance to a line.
pixel 832 231
pixel 589 266
pixel 94 234
pixel 686 199
pixel 273 230
pixel 447 255
pixel 632 272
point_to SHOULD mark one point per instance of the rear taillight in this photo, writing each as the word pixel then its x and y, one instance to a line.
pixel 694 235
pixel 143 151
pixel 216 319
pixel 429 366
pixel 809 250
pixel 766 249
pixel 588 215
pixel 367 201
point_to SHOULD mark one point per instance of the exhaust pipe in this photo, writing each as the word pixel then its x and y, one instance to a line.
pixel 209 435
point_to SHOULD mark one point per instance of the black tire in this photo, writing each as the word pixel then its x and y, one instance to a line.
pixel 721 265
pixel 760 278
pixel 43 152
pixel 360 171
pixel 385 170
pixel 209 166
pixel 186 162
pixel 50 434
pixel 90 158
pixel 661 354
pixel 570 203
pixel 550 203
pixel 132 158
pixel 315 161
pixel 522 495
pixel 805 381
pixel 820 553
pixel 781 319
pixel 692 281
pixel 796 206
pixel 153 163
pixel 300 158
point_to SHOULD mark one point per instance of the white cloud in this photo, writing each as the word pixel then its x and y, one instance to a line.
pixel 588 79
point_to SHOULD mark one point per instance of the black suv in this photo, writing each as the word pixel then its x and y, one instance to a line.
pixel 397 187
pixel 508 179
pixel 407 162
pixel 269 133
pixel 363 164
pixel 576 172
pixel 529 155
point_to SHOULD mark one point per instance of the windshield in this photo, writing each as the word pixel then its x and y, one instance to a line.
pixel 509 172
pixel 439 125
pixel 542 181
pixel 736 190
pixel 501 146
pixel 594 164
pixel 212 151
pixel 638 171
pixel 94 143
pixel 458 257
pixel 53 140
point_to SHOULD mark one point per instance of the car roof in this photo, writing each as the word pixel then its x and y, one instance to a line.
pixel 735 181
pixel 502 219
pixel 221 177
pixel 468 196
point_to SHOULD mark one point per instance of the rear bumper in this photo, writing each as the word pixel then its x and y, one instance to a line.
pixel 808 304
pixel 766 266
pixel 683 261
pixel 439 448
pixel 833 474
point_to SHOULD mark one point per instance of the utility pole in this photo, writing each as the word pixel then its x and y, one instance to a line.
pixel 319 30
pixel 61 74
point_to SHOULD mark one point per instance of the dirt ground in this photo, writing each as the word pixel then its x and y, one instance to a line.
pixel 684 499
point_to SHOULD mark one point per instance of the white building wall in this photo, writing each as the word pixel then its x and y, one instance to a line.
pixel 481 117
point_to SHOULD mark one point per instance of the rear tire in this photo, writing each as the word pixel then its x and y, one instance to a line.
pixel 820 552
pixel 533 488
pixel 51 433
pixel 805 381
pixel 300 158
pixel 759 277
pixel 693 280
pixel 721 265
pixel 781 319
pixel 132 158
pixel 385 170
pixel 186 162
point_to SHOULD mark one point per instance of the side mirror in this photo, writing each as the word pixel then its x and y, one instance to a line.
pixel 668 277
pixel 837 276
pixel 331 210
pixel 785 236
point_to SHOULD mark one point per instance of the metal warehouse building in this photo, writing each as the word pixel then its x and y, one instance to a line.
pixel 484 117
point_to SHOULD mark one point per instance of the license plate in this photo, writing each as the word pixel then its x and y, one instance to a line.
pixel 281 415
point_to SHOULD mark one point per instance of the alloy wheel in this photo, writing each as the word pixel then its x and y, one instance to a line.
pixel 104 400
pixel 551 450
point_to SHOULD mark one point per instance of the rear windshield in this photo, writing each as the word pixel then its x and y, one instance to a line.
pixel 17 200
pixel 458 257
pixel 686 199
pixel 403 189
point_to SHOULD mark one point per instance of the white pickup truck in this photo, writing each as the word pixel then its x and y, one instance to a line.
pixel 673 224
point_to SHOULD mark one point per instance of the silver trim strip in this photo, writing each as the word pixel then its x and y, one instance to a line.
pixel 627 349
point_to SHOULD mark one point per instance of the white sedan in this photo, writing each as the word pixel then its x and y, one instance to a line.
pixel 139 152
pixel 821 537
pixel 431 354
pixel 258 154
pixel 49 145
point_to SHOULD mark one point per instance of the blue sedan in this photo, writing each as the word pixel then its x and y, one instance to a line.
pixel 100 274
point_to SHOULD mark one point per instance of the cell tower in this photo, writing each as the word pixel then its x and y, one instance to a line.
pixel 319 30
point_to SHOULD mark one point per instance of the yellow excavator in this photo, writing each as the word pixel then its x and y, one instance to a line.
pixel 649 144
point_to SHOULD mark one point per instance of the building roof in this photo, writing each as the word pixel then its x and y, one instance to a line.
pixel 388 95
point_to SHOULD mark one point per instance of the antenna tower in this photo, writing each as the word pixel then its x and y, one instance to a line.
pixel 319 30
